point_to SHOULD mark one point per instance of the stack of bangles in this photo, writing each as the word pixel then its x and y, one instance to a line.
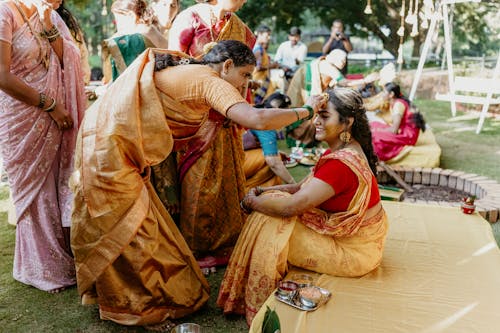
pixel 52 34
pixel 43 100
pixel 309 108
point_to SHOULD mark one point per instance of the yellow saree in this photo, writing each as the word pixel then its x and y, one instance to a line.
pixel 130 257
pixel 257 172
pixel 346 243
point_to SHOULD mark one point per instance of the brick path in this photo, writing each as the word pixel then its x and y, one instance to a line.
pixel 487 191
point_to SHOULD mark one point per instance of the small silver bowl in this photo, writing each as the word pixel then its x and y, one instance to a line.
pixel 303 280
pixel 287 289
pixel 310 296
pixel 187 328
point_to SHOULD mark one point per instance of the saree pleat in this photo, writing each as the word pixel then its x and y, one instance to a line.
pixel 211 218
pixel 130 257
pixel 343 244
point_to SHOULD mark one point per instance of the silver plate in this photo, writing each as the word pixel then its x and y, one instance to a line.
pixel 294 301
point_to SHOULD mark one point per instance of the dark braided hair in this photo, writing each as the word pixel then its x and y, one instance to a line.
pixel 235 50
pixel 222 51
pixel 349 104
pixel 71 23
pixel 139 7
pixel 417 118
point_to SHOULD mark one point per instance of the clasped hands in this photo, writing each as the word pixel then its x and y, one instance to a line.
pixel 247 202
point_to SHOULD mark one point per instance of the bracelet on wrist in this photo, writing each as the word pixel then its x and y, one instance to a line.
pixel 297 114
pixel 244 208
pixel 311 111
pixel 42 98
pixel 53 38
pixel 51 107
pixel 51 32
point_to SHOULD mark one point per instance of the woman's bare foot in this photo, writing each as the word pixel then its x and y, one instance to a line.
pixel 165 326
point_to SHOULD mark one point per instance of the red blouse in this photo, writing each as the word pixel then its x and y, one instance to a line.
pixel 345 183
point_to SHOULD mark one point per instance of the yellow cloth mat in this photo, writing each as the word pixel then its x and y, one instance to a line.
pixel 425 154
pixel 440 273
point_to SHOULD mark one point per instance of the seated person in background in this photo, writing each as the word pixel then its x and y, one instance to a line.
pixel 261 74
pixel 314 78
pixel 263 164
pixel 373 93
pixel 291 54
pixel 331 223
pixel 402 130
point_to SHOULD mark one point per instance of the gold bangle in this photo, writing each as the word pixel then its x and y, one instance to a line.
pixel 53 38
pixel 51 107
pixel 244 207
pixel 51 32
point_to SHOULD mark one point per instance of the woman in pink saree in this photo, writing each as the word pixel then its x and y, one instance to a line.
pixel 41 105
pixel 389 139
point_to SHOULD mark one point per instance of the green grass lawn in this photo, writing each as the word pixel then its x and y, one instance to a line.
pixel 26 309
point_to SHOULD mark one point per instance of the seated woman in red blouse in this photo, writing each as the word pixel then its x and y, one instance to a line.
pixel 331 223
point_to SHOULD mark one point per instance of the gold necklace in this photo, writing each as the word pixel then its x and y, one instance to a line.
pixel 45 56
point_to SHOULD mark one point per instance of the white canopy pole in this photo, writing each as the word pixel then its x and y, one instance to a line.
pixel 449 60
pixel 425 50
pixel 486 105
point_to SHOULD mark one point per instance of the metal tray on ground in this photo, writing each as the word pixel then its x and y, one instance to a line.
pixel 294 300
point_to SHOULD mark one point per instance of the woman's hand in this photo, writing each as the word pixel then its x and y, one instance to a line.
pixel 317 102
pixel 247 203
pixel 62 117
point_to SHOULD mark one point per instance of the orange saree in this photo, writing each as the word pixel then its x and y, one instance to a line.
pixel 346 243
pixel 130 257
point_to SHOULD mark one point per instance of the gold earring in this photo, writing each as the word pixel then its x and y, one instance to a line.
pixel 345 137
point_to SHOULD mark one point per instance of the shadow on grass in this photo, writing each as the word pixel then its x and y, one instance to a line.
pixel 27 309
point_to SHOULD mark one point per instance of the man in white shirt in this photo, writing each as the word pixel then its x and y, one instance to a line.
pixel 292 53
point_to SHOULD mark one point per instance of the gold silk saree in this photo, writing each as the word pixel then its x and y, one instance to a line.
pixel 130 257
pixel 346 243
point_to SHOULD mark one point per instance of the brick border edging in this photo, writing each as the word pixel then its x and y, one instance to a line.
pixel 487 191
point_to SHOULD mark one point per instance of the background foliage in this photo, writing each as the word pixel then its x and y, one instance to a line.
pixel 476 27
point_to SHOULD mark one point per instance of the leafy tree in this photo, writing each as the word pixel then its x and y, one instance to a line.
pixel 470 31
pixel 95 25
pixel 470 28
